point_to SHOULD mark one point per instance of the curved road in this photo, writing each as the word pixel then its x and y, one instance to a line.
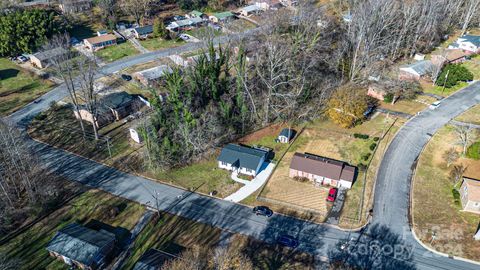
pixel 390 204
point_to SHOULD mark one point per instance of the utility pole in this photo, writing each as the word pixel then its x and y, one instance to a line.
pixel 445 81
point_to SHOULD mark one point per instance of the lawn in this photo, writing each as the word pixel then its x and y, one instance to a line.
pixel 172 234
pixel 240 25
pixel 474 66
pixel 428 87
pixel 116 52
pixel 325 139
pixel 409 106
pixel 470 116
pixel 434 208
pixel 29 247
pixel 204 33
pixel 154 44
pixel 18 87
pixel 203 176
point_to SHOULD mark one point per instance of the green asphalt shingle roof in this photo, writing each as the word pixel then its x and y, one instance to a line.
pixel 80 243
pixel 196 13
pixel 223 15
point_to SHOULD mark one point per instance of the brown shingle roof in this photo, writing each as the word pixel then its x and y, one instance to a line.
pixel 473 189
pixel 452 54
pixel 322 166
pixel 99 39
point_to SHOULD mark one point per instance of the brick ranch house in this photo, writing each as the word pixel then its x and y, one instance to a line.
pixel 470 195
pixel 82 247
pixel 416 71
pixel 111 108
pixel 322 170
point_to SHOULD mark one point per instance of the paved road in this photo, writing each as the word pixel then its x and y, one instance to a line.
pixel 391 200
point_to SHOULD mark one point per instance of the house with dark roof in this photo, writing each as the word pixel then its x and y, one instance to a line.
pixel 82 247
pixel 242 159
pixel 468 43
pixel 322 170
pixel 153 259
pixel 286 135
pixel 416 71
pixel 112 107
pixel 143 32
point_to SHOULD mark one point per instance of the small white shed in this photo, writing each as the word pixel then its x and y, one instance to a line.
pixel 135 136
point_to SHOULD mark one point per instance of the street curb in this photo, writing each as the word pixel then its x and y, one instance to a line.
pixel 412 204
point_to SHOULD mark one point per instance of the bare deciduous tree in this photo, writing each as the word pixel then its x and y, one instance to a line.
pixel 464 137
pixel 456 174
pixel 471 8
pixel 450 156
pixel 139 9
pixel 87 68
pixel 65 65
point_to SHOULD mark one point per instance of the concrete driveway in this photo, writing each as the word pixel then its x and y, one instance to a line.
pixel 251 186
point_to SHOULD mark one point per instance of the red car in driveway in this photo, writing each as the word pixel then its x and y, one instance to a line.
pixel 332 194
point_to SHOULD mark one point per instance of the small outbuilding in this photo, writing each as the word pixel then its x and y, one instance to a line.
pixel 286 135
pixel 250 10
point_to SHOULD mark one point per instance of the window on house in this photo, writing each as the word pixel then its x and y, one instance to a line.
pixel 224 163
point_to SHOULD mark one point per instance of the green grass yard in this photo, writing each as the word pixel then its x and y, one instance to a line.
pixel 154 44
pixel 29 247
pixel 116 52
pixel 18 87
pixel 474 66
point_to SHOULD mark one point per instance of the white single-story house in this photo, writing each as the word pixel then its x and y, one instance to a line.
pixel 242 159
pixel 143 32
pixel 467 43
pixel 182 24
pixel 250 10
pixel 322 170
pixel 221 17
pixel 151 77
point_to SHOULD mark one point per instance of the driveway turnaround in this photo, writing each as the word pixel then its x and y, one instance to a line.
pixel 251 186
pixel 388 235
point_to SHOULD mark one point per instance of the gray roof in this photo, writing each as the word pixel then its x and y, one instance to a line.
pixel 144 30
pixel 155 72
pixel 421 67
pixel 251 8
pixel 153 259
pixel 287 132
pixel 45 55
pixel 116 100
pixel 242 156
pixel 187 22
pixel 81 244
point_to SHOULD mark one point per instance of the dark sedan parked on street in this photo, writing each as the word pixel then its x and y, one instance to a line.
pixel 262 211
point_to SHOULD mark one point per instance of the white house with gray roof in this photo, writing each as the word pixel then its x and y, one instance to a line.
pixel 416 70
pixel 182 24
pixel 242 159
pixel 467 43
pixel 82 247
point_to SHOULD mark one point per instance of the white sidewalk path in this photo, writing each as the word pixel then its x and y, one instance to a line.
pixel 253 185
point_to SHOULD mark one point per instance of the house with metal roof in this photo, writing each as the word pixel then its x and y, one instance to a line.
pixel 242 159
pixel 153 259
pixel 143 32
pixel 467 43
pixel 250 10
pixel 322 170
pixel 221 17
pixel 416 70
pixel 182 24
pixel 195 14
pixel 82 247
